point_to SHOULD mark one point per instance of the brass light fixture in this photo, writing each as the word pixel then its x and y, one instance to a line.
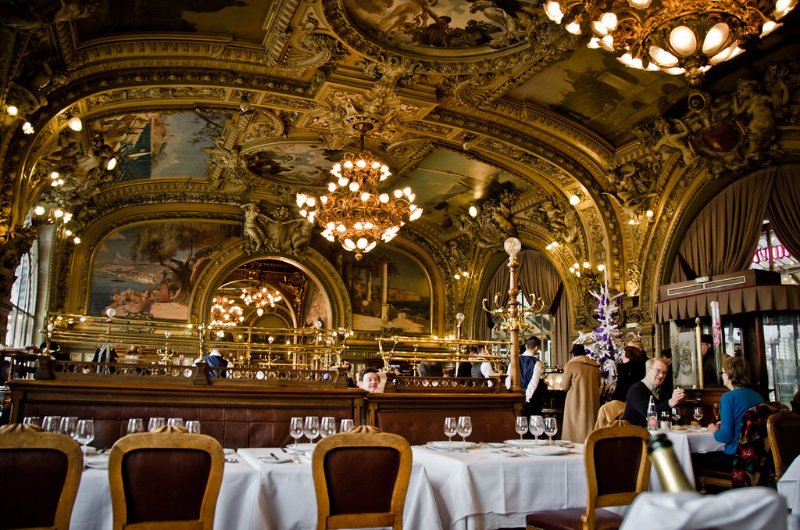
pixel 260 298
pixel 680 37
pixel 354 210
pixel 224 313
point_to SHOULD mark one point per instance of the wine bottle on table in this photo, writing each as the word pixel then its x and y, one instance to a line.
pixel 670 472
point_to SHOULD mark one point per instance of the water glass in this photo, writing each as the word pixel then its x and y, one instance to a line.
pixel 296 432
pixel 450 428
pixel 346 426
pixel 464 430
pixel 32 420
pixel 327 427
pixel 536 426
pixel 311 427
pixel 135 425
pixel 176 422
pixel 155 423
pixel 550 428
pixel 676 415
pixel 521 425
pixel 193 426
pixel 51 423
pixel 68 425
pixel 84 433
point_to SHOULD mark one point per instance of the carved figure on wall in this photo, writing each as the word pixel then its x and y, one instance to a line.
pixel 755 108
pixel 676 139
pixel 632 280
pixel 253 226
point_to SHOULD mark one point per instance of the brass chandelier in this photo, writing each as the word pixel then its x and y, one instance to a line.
pixel 224 313
pixel 679 37
pixel 260 298
pixel 354 210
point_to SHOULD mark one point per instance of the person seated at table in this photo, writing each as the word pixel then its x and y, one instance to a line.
pixel 630 369
pixel 732 406
pixel 369 380
pixel 639 395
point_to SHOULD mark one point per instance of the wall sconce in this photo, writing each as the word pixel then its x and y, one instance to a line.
pixel 27 128
pixel 61 219
pixel 75 124
pixel 473 211
pixel 461 274
pixel 574 200
pixel 552 246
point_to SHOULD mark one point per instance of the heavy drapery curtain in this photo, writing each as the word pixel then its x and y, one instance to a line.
pixel 536 275
pixel 725 235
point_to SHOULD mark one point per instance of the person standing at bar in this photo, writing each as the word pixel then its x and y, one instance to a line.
pixel 530 372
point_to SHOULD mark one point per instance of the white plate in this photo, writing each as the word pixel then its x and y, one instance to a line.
pixel 525 443
pixel 546 450
pixel 96 462
pixel 302 448
pixel 276 458
pixel 452 445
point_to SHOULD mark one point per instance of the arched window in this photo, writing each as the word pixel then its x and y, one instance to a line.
pixel 774 256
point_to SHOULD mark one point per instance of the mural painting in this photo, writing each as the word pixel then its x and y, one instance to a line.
pixel 148 270
pixel 294 164
pixel 461 24
pixel 161 145
pixel 407 307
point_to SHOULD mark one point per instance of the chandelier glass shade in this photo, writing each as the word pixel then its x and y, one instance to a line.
pixel 260 298
pixel 679 37
pixel 224 313
pixel 354 211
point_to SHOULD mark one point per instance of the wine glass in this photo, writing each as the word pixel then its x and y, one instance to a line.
pixel 135 425
pixel 676 415
pixel 193 426
pixel 464 429
pixel 521 425
pixel 51 423
pixel 68 425
pixel 311 428
pixel 346 426
pixel 550 428
pixel 176 422
pixel 155 423
pixel 84 433
pixel 296 432
pixel 450 429
pixel 715 409
pixel 32 420
pixel 537 427
pixel 327 427
pixel 698 414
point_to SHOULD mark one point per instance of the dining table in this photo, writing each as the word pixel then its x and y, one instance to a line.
pixel 496 485
pixel 789 486
pixel 686 441
pixel 236 509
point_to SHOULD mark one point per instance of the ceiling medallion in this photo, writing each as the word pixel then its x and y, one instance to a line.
pixel 679 37
pixel 354 210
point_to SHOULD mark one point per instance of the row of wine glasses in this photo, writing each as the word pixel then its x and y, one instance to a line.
pixel 312 426
pixel 461 426
pixel 537 426
pixel 136 425
pixel 82 431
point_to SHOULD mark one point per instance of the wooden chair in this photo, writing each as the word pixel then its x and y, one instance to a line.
pixel 361 480
pixel 167 480
pixel 783 431
pixel 617 470
pixel 40 474
pixel 610 413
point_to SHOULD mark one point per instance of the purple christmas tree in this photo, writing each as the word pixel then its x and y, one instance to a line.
pixel 602 344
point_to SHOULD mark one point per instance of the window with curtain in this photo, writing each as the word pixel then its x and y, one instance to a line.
pixel 21 331
pixel 775 256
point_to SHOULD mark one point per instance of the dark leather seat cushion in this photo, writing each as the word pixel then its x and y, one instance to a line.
pixel 570 519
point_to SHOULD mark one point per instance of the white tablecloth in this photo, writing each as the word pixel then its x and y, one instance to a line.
pixel 684 443
pixel 481 489
pixel 286 500
pixel 789 486
pixel 235 506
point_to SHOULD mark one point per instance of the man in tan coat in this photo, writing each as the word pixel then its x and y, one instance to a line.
pixel 581 380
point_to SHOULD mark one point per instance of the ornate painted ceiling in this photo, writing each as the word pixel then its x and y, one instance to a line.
pixel 472 102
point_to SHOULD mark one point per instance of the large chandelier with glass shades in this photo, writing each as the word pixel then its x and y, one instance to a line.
pixel 680 37
pixel 354 211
